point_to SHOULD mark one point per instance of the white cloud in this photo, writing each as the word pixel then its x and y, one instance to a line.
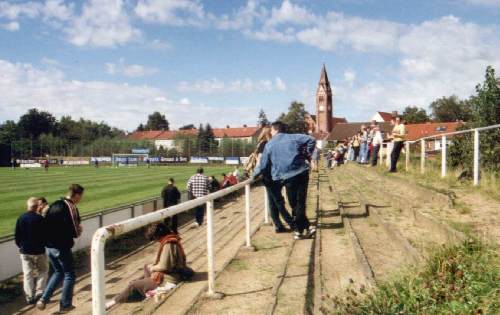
pixel 172 12
pixel 129 70
pixel 159 44
pixel 290 13
pixel 242 18
pixel 349 76
pixel 11 26
pixel 488 3
pixel 12 10
pixel 247 85
pixel 23 86
pixel 102 23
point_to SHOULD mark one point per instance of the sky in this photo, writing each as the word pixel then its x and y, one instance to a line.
pixel 221 61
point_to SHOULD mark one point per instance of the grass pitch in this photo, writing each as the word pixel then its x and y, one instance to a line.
pixel 105 187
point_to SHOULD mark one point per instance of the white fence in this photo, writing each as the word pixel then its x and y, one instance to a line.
pixel 110 231
pixel 476 155
pixel 9 252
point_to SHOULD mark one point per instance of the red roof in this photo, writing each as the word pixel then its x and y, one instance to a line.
pixel 336 120
pixel 171 134
pixel 417 131
pixel 385 116
pixel 144 135
pixel 241 132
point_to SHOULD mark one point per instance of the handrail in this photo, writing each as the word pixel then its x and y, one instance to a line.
pixel 455 133
pixel 103 234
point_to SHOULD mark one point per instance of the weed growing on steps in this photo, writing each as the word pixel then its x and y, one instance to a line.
pixel 456 279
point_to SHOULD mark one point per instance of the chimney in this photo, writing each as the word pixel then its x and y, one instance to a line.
pixel 227 126
pixel 394 113
pixel 244 126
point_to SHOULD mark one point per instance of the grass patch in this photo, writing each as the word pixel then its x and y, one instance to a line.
pixel 238 265
pixel 105 187
pixel 456 279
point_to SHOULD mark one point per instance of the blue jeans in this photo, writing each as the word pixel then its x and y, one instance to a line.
pixel 363 154
pixel 61 261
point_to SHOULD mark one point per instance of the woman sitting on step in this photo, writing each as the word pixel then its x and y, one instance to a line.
pixel 168 269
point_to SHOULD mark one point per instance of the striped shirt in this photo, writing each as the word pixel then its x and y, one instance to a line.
pixel 198 185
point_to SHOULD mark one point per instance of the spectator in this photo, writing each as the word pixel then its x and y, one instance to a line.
pixel 286 155
pixel 63 226
pixel 350 150
pixel 46 165
pixel 315 159
pixel 236 172
pixel 213 184
pixel 363 148
pixel 273 189
pixel 329 159
pixel 377 144
pixel 168 269
pixel 398 135
pixel 43 206
pixel 198 187
pixel 171 196
pixel 355 146
pixel 30 237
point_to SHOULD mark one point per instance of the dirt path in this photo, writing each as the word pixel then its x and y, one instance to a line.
pixel 228 224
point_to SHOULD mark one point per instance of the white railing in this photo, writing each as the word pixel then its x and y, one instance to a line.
pixel 476 162
pixel 104 233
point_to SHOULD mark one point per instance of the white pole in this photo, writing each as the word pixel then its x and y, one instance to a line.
pixel 266 206
pixel 422 156
pixel 97 272
pixel 247 214
pixel 443 156
pixel 210 248
pixel 476 157
pixel 407 156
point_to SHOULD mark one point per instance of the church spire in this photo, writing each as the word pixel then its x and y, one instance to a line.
pixel 324 77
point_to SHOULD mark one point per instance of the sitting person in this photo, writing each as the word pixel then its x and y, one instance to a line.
pixel 168 269
pixel 228 180
pixel 213 184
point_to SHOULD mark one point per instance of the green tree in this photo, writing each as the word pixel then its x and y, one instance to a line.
pixel 34 123
pixel 446 109
pixel 157 121
pixel 262 120
pixel 415 115
pixel 295 118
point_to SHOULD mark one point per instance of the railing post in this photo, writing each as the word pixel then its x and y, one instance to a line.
pixel 443 156
pixel 422 156
pixel 210 248
pixel 407 156
pixel 266 206
pixel 476 157
pixel 247 214
pixel 97 273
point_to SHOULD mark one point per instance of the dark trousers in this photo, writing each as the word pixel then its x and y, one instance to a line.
pixel 61 261
pixel 376 149
pixel 136 289
pixel 396 150
pixel 296 191
pixel 356 153
pixel 199 214
pixel 172 223
pixel 277 206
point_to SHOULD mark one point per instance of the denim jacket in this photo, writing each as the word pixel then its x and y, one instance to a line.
pixel 286 155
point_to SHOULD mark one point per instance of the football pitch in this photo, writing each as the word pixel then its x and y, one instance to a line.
pixel 105 187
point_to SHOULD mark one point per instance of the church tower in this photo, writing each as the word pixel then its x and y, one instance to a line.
pixel 324 107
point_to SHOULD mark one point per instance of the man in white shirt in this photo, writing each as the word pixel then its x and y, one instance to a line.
pixel 377 144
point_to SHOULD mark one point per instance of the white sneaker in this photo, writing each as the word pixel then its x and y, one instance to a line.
pixel 297 235
pixel 311 231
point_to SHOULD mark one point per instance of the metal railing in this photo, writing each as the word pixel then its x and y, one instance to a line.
pixel 476 160
pixel 113 230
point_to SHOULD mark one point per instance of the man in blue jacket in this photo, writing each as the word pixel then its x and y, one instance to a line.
pixel 286 154
pixel 30 238
pixel 63 226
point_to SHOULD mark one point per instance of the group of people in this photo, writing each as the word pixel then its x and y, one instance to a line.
pixel 364 146
pixel 283 160
pixel 46 234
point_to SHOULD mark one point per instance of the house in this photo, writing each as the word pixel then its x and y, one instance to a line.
pixel 383 116
pixel 166 139
pixel 343 131
pixel 417 131
pixel 244 133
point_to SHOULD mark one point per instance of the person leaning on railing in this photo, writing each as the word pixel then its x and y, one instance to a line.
pixel 398 136
pixel 168 269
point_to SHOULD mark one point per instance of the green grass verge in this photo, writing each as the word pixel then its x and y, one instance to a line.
pixel 105 187
pixel 459 279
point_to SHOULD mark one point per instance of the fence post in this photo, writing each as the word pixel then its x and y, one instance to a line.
pixel 266 206
pixel 407 156
pixel 422 156
pixel 443 156
pixel 247 215
pixel 476 157
pixel 210 248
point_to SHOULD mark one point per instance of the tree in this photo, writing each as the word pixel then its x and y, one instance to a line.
pixel 140 127
pixel 295 118
pixel 451 108
pixel 485 111
pixel 415 115
pixel 187 127
pixel 262 120
pixel 34 123
pixel 156 121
